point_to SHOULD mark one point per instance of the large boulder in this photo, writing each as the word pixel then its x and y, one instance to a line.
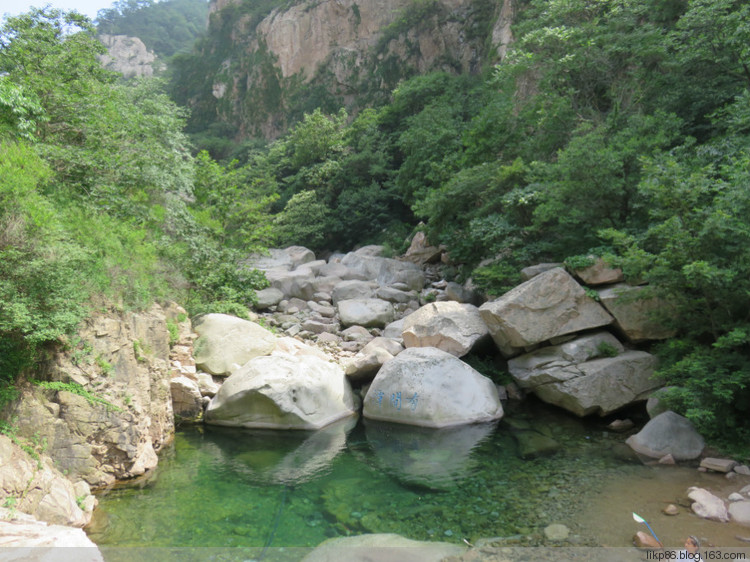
pixel 25 538
pixel 581 377
pixel 740 512
pixel 428 387
pixel 122 360
pixel 450 326
pixel 634 310
pixel 368 263
pixel 34 486
pixel 599 273
pixel 283 392
pixel 225 343
pixel 298 283
pixel 549 305
pixel 668 434
pixel 353 289
pixel 370 313
pixel 286 258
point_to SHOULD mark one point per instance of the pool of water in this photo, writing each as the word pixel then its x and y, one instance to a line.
pixel 219 487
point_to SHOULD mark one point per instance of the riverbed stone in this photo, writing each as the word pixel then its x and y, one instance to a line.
pixel 549 305
pixel 739 512
pixel 365 364
pixel 718 465
pixel 429 387
pixel 708 506
pixel 226 342
pixel 382 548
pixel 451 326
pixel 368 313
pixel 556 532
pixel 668 433
pixel 283 391
pixel 128 367
pixel 386 271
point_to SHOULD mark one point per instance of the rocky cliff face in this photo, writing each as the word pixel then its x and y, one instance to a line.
pixel 334 53
pixel 122 360
pixel 129 56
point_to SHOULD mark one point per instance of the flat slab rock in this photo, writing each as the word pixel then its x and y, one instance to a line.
pixel 718 465
pixel 382 548
pixel 549 305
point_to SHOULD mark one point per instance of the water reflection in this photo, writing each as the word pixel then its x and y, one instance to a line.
pixel 432 458
pixel 267 456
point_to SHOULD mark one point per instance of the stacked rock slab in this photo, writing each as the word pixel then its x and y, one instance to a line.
pixel 428 387
pixel 549 305
pixel 576 376
pixel 633 311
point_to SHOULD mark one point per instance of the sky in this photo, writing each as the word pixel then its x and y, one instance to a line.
pixel 86 7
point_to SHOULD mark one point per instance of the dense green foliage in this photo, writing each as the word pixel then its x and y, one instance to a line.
pixel 167 27
pixel 618 127
pixel 100 197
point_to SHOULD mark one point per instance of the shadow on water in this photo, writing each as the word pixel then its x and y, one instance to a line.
pixel 220 487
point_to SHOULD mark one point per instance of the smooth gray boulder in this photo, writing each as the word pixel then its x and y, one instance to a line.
pixel 36 487
pixel 634 312
pixel 579 376
pixel 353 289
pixel 226 342
pixel 299 283
pixel 668 434
pixel 451 326
pixel 369 313
pixel 549 305
pixel 599 273
pixel 283 391
pixel 428 387
pixel 268 297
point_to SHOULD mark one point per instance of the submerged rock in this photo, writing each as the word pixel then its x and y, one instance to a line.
pixel 707 505
pixel 382 548
pixel 432 388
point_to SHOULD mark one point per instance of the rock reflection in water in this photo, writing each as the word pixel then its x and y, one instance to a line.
pixel 282 456
pixel 433 458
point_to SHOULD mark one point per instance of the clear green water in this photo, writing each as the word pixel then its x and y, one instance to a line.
pixel 228 488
